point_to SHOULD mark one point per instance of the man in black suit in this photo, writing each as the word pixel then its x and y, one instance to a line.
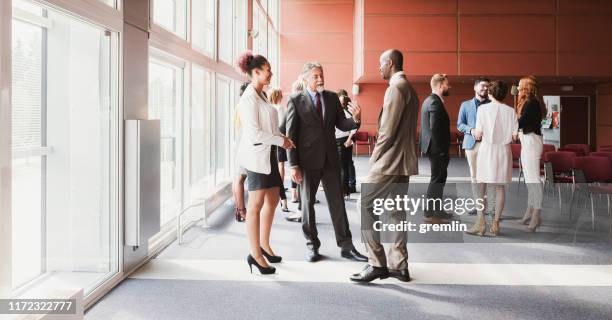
pixel 312 118
pixel 435 141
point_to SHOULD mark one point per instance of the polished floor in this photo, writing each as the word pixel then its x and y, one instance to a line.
pixel 562 272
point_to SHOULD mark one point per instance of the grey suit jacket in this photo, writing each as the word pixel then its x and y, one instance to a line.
pixel 395 149
pixel 314 138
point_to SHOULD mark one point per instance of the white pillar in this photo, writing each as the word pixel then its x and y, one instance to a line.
pixel 5 149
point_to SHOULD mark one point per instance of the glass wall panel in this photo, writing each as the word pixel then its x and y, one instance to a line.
pixel 64 150
pixel 165 104
pixel 171 15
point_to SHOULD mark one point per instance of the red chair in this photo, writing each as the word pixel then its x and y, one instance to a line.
pixel 363 139
pixel 545 149
pixel 588 170
pixel 607 154
pixel 605 148
pixel 580 149
pixel 515 148
pixel 558 170
pixel 456 139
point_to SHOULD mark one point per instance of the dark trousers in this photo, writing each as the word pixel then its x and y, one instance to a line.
pixel 435 190
pixel 330 176
pixel 346 157
pixel 352 175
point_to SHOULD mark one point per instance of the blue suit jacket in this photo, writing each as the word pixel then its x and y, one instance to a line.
pixel 467 121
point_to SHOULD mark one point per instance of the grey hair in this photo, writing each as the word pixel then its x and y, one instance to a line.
pixel 309 66
pixel 298 85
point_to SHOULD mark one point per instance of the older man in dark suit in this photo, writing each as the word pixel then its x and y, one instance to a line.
pixel 312 118
pixel 435 141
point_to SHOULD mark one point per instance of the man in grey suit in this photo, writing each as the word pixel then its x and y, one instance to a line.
pixel 312 117
pixel 391 165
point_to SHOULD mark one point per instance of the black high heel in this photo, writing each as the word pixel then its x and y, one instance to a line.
pixel 263 270
pixel 271 258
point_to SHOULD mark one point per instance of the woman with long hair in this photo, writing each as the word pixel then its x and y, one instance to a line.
pixel 276 96
pixel 530 109
pixel 257 154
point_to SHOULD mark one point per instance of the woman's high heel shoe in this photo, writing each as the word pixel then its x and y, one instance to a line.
pixel 495 227
pixel 240 214
pixel 263 270
pixel 525 220
pixel 478 229
pixel 533 228
pixel 271 258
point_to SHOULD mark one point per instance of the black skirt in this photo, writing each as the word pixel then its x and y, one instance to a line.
pixel 260 181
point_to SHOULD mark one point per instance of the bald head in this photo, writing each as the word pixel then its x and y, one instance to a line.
pixel 391 61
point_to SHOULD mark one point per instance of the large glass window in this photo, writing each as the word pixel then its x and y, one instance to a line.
pixel 222 129
pixel 171 15
pixel 225 31
pixel 64 128
pixel 240 27
pixel 201 177
pixel 166 104
pixel 203 26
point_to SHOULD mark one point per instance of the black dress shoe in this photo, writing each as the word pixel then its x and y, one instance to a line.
pixel 370 273
pixel 313 255
pixel 354 255
pixel 401 275
pixel 473 212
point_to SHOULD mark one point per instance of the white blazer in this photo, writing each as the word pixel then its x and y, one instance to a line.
pixel 260 131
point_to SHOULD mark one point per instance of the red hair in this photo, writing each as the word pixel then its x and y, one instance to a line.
pixel 528 89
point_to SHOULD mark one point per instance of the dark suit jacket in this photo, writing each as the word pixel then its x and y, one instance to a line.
pixel 435 126
pixel 314 138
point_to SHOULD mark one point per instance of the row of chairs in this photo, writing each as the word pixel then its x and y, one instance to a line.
pixel 574 167
pixel 363 138
pixel 585 175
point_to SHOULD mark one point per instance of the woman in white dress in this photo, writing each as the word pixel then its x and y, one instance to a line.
pixel 257 155
pixel 497 126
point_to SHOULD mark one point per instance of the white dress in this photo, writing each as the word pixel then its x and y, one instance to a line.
pixel 497 122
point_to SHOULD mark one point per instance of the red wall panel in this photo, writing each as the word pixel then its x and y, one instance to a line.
pixel 585 64
pixel 323 47
pixel 430 33
pixel 507 33
pixel 300 17
pixel 585 33
pixel 505 7
pixel 585 7
pixel 503 64
pixel 410 7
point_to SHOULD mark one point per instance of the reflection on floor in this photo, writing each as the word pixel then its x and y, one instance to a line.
pixel 517 275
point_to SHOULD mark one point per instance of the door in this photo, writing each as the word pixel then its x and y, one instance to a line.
pixel 575 112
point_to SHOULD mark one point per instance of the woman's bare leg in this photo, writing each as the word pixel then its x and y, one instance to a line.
pixel 267 217
pixel 255 205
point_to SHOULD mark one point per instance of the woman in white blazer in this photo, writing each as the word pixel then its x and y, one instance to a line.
pixel 497 126
pixel 257 154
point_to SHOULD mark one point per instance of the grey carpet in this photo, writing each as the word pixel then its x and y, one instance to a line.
pixel 176 300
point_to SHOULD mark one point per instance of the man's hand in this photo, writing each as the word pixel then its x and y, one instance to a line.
pixel 355 110
pixel 348 143
pixel 296 175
